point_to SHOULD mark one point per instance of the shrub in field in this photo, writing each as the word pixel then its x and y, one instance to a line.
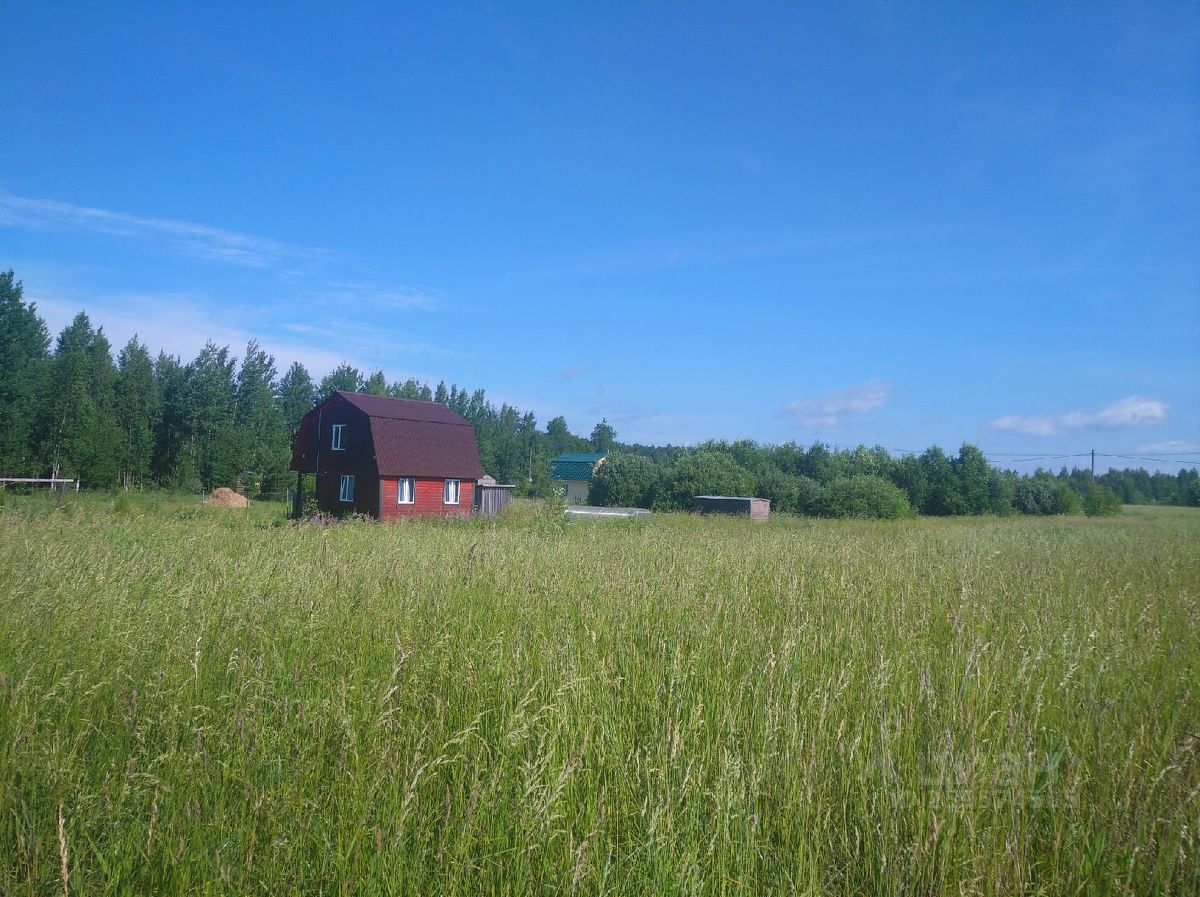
pixel 1063 500
pixel 1042 495
pixel 866 496
pixel 772 483
pixel 1033 496
pixel 1100 501
pixel 810 497
pixel 626 481
pixel 973 478
pixel 189 484
pixel 551 502
pixel 704 473
pixel 910 475
pixel 1000 492
pixel 939 487
pixel 790 493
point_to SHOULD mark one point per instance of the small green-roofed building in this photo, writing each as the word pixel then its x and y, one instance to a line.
pixel 575 471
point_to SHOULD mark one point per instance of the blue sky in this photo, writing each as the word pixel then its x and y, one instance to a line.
pixel 874 223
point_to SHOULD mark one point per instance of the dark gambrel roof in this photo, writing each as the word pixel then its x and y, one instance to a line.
pixel 401 409
pixel 408 438
pixel 421 448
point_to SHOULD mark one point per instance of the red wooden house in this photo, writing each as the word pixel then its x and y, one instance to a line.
pixel 388 458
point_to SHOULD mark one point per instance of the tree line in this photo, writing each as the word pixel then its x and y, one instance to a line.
pixel 136 421
pixel 868 482
pixel 70 409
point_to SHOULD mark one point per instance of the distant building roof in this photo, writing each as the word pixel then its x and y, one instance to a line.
pixel 575 465
pixel 754 508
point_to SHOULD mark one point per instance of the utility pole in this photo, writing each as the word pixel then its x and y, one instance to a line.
pixel 1093 465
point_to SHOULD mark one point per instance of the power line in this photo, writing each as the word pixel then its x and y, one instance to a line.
pixel 1166 454
pixel 1042 452
pixel 1151 460
pixel 1019 458
pixel 1034 455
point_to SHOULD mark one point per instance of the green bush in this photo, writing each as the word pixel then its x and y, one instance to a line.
pixel 121 503
pixel 1043 495
pixel 1033 496
pixel 1100 501
pixel 810 497
pixel 1000 493
pixel 1063 500
pixel 866 496
pixel 624 481
pixel 704 473
pixel 790 493
pixel 772 483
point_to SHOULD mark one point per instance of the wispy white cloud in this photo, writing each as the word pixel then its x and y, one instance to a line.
pixel 1171 446
pixel 572 372
pixel 829 410
pixel 311 273
pixel 1030 425
pixel 1134 411
pixel 181 323
pixel 636 423
pixel 200 240
pixel 368 340
pixel 616 413
pixel 297 327
pixel 399 298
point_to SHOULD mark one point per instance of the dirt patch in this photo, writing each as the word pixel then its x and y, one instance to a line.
pixel 225 498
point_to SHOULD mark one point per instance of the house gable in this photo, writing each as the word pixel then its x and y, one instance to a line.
pixel 313 450
pixel 377 440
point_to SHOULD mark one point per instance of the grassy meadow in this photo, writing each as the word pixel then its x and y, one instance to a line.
pixel 219 702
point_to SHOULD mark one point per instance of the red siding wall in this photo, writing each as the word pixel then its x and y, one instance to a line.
pixel 428 495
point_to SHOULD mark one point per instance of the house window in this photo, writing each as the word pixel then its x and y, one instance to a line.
pixel 406 492
pixel 450 492
pixel 346 488
pixel 339 437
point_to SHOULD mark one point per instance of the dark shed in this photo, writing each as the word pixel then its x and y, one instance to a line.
pixel 754 508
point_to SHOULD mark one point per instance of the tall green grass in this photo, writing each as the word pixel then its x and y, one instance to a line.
pixel 220 703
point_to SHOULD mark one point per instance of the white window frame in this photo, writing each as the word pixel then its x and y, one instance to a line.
pixel 412 491
pixel 446 491
pixel 337 439
pixel 346 488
